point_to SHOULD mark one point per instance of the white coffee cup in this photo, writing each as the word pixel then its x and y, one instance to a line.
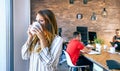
pixel 105 47
pixel 34 25
pixel 112 49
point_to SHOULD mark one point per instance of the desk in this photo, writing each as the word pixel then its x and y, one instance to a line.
pixel 100 59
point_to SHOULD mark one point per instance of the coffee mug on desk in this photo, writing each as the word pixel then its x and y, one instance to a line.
pixel 105 47
pixel 112 49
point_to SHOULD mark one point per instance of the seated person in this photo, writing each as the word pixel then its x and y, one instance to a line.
pixel 74 49
pixel 116 40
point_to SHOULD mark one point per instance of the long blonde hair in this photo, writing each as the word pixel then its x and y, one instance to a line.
pixel 50 29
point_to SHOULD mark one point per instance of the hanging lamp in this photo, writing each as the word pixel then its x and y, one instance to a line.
pixel 71 1
pixel 104 12
pixel 85 1
pixel 93 17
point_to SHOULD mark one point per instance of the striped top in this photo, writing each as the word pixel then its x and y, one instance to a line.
pixel 47 59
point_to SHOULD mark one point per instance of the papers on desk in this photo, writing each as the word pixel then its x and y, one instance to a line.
pixel 90 46
pixel 94 52
pixel 119 53
pixel 114 52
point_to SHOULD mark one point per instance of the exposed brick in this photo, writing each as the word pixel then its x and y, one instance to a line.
pixel 66 16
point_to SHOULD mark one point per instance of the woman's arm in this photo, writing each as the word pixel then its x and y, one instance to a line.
pixel 115 39
pixel 48 56
pixel 24 51
pixel 43 42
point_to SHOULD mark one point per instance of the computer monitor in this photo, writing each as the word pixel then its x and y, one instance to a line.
pixel 59 31
pixel 92 36
pixel 84 33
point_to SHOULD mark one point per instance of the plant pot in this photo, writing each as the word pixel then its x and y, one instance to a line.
pixel 98 47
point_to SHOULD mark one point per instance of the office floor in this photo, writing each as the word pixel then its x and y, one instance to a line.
pixel 63 67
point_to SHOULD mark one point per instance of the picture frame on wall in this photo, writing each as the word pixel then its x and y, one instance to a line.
pixel 79 16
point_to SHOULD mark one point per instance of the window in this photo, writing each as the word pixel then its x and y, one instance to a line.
pixel 6 35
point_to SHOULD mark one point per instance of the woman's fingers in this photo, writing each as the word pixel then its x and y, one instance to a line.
pixel 28 31
pixel 37 30
pixel 41 28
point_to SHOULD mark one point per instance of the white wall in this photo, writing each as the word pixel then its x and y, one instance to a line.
pixel 2 36
pixel 21 15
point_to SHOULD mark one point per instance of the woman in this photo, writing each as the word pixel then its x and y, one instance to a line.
pixel 116 40
pixel 43 48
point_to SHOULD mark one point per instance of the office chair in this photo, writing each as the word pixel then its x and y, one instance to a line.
pixel 62 57
pixel 113 65
pixel 71 65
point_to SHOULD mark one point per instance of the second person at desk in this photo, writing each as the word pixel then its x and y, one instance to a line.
pixel 74 48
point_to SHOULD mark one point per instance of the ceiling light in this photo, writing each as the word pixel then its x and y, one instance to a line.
pixel 104 12
pixel 93 17
pixel 85 1
pixel 71 1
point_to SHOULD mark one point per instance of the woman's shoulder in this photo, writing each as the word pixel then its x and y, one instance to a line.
pixel 58 37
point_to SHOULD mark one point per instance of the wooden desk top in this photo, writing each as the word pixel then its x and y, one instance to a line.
pixel 100 59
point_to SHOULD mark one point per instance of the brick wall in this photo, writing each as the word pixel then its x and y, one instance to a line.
pixel 66 16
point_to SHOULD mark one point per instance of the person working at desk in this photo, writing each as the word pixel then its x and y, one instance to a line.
pixel 74 48
pixel 116 39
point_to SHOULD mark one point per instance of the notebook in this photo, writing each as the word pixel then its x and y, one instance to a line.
pixel 93 52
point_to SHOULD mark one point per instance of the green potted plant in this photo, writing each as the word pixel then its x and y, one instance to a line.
pixel 98 42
